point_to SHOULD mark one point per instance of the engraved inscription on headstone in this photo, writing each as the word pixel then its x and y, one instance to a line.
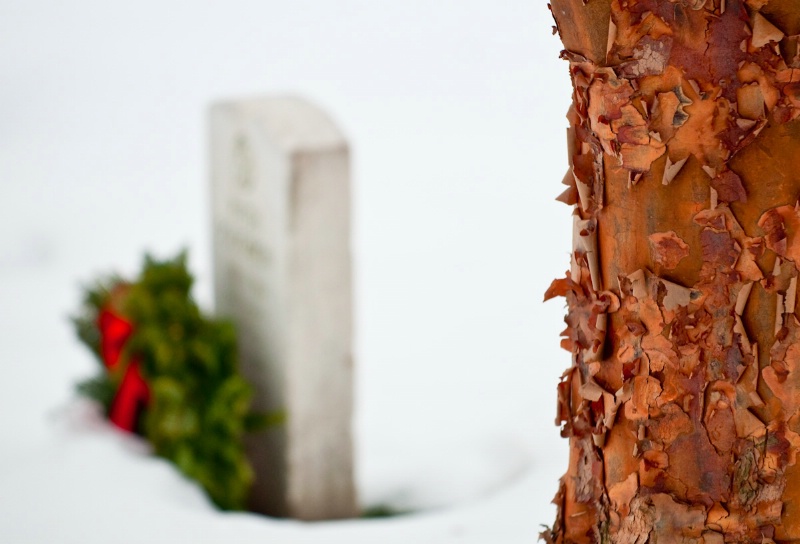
pixel 282 272
pixel 243 162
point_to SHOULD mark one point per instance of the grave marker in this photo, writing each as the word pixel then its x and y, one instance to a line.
pixel 282 272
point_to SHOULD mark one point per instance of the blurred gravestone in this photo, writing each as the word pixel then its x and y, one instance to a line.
pixel 282 271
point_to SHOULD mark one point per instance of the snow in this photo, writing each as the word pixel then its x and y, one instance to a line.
pixel 455 111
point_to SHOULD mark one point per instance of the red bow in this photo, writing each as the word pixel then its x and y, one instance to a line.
pixel 133 393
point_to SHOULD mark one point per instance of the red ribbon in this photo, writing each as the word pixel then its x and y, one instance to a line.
pixel 133 393
pixel 114 332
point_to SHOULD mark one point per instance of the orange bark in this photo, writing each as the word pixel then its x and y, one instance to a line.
pixel 682 405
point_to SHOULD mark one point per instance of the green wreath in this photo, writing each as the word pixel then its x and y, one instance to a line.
pixel 198 406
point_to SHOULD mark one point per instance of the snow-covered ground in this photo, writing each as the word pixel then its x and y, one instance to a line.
pixel 455 110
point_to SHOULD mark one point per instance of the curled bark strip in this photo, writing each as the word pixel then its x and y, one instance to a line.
pixel 682 404
pixel 781 226
pixel 672 169
pixel 764 32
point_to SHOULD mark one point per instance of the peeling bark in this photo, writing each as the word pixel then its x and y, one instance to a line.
pixel 682 404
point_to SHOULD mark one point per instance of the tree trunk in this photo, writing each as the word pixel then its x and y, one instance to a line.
pixel 682 405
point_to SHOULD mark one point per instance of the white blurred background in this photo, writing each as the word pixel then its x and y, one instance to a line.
pixel 455 114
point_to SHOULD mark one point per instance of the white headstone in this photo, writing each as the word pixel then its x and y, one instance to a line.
pixel 282 272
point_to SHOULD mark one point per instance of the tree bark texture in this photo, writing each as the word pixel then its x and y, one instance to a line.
pixel 682 405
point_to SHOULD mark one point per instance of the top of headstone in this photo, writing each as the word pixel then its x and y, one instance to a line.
pixel 290 121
